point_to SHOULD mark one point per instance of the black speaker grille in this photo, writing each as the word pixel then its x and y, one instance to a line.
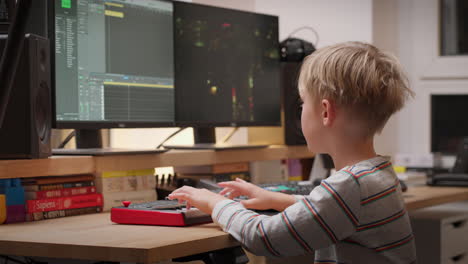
pixel 42 112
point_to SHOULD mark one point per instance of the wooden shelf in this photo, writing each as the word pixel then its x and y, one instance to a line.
pixel 53 166
pixel 69 165
pixel 198 157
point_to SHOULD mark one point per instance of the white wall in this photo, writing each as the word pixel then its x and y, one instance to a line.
pixel 334 20
pixel 418 33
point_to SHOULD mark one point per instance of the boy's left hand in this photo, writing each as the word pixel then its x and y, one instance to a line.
pixel 202 199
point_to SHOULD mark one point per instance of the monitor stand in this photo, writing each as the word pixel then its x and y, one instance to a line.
pixel 205 138
pixel 89 142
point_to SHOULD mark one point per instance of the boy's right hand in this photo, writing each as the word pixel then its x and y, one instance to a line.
pixel 259 198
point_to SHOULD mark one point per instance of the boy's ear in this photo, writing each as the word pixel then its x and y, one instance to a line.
pixel 328 112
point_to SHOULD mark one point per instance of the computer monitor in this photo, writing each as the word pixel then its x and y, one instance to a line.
pixel 449 126
pixel 226 67
pixel 113 63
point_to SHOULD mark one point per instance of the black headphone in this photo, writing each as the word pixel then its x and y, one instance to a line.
pixel 294 49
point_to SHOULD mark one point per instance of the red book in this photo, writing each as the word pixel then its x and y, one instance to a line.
pixel 34 195
pixel 63 203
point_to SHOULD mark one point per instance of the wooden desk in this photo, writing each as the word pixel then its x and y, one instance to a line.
pixel 425 196
pixel 94 237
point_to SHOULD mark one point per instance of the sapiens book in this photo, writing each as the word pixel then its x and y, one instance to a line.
pixel 55 186
pixel 37 216
pixel 45 194
pixel 63 203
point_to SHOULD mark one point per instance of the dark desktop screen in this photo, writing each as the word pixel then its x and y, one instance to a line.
pixel 114 61
pixel 226 66
pixel 449 123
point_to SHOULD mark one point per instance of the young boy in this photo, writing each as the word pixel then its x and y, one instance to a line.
pixel 357 215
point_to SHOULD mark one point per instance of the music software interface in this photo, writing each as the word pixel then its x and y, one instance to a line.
pixel 114 61
pixel 227 66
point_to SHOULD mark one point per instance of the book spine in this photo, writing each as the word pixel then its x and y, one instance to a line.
pixel 34 195
pixel 37 216
pixel 62 203
pixel 125 184
pixel 58 179
pixel 44 187
pixel 111 174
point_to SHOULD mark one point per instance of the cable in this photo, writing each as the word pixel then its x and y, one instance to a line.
pixel 309 28
pixel 229 135
pixel 170 136
pixel 67 139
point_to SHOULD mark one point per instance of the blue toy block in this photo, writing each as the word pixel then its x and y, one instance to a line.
pixel 13 191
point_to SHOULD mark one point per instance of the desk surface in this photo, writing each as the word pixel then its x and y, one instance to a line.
pixel 94 237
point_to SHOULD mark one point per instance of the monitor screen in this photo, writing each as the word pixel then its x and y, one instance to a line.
pixel 226 67
pixel 113 62
pixel 449 124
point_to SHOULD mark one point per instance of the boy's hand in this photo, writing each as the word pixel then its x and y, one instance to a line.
pixel 259 198
pixel 200 198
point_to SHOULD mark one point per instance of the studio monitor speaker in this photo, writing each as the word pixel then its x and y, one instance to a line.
pixel 290 132
pixel 27 126
pixel 292 104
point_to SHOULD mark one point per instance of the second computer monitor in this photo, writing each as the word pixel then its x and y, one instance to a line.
pixel 226 67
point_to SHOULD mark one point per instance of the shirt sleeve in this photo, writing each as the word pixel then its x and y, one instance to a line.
pixel 328 214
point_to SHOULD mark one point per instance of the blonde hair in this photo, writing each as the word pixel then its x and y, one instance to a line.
pixel 357 76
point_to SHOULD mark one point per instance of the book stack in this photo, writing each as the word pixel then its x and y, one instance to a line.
pixel 136 186
pixel 216 172
pixel 53 197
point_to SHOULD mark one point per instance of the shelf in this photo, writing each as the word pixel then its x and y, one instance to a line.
pixel 199 157
pixel 69 165
pixel 53 166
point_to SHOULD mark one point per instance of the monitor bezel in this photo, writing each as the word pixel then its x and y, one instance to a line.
pixel 197 124
pixel 72 124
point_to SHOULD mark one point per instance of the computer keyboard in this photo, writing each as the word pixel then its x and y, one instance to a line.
pixel 290 187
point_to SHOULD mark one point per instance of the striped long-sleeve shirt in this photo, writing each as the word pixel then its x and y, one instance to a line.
pixel 357 215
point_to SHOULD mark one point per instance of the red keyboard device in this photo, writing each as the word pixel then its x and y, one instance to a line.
pixel 161 212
